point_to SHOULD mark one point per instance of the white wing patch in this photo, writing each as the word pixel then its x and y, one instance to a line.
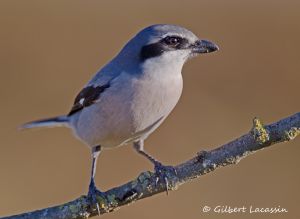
pixel 81 101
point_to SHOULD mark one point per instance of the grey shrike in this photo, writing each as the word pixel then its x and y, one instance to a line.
pixel 132 94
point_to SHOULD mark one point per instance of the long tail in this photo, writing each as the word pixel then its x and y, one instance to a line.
pixel 50 122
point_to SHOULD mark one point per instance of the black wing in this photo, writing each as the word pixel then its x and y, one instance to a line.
pixel 87 97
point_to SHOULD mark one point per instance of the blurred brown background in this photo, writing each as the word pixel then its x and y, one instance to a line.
pixel 49 49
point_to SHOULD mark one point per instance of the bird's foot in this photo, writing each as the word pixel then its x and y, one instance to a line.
pixel 92 195
pixel 164 174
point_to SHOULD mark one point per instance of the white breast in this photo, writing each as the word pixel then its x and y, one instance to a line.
pixel 133 107
pixel 155 98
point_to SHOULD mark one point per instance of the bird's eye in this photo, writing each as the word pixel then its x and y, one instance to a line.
pixel 172 40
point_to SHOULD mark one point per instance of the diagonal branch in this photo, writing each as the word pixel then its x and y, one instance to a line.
pixel 146 184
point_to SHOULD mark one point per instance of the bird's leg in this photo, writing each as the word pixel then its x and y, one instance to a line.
pixel 93 191
pixel 160 169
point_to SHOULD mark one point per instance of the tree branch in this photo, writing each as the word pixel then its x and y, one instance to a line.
pixel 146 184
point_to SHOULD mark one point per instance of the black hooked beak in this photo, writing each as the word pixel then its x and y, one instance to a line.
pixel 204 46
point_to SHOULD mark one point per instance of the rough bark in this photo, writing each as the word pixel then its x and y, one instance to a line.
pixel 147 183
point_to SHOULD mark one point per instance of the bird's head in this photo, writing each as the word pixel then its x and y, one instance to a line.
pixel 166 44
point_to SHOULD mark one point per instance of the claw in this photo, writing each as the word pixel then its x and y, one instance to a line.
pixel 92 195
pixel 98 209
pixel 162 173
pixel 156 181
pixel 167 185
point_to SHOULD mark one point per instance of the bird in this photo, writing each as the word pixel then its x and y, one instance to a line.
pixel 130 97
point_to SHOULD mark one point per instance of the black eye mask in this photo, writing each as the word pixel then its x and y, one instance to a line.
pixel 169 43
pixel 175 42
